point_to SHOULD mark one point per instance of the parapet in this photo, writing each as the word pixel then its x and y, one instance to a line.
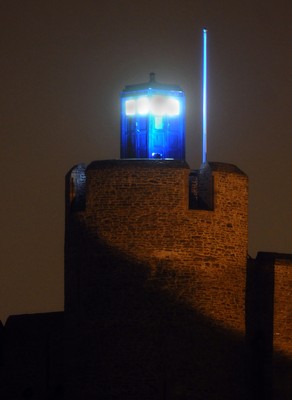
pixel 201 187
pixel 142 209
pixel 226 168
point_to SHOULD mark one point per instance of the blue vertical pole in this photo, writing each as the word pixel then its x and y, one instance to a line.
pixel 204 139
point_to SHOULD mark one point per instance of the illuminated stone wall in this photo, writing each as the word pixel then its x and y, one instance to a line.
pixel 141 209
pixel 155 290
pixel 160 300
pixel 283 304
pixel 269 324
pixel 282 332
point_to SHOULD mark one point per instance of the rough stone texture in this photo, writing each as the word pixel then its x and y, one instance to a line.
pixel 268 325
pixel 160 285
pixel 141 208
pixel 282 332
pixel 283 304
pixel 160 302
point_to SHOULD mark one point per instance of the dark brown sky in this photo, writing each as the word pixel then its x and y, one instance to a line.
pixel 63 64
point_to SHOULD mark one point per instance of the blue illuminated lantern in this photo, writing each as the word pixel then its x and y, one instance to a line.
pixel 153 121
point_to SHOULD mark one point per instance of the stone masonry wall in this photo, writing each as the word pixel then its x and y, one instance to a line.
pixel 282 332
pixel 141 209
pixel 268 325
pixel 155 289
pixel 283 305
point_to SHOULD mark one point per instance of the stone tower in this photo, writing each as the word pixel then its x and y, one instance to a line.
pixel 161 300
pixel 154 249
pixel 155 263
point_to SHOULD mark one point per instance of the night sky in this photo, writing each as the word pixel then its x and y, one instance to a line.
pixel 63 65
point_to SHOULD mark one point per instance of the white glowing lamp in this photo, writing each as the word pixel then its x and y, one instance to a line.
pixel 130 107
pixel 172 107
pixel 158 105
pixel 143 106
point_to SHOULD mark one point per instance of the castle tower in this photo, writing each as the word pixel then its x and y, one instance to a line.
pixel 155 259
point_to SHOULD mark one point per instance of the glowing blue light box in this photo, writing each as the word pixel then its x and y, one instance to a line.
pixel 153 121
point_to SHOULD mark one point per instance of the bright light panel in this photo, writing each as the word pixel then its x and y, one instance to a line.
pixel 158 105
pixel 143 105
pixel 172 106
pixel 130 107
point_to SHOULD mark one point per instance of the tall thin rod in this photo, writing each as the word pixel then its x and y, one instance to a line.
pixel 204 139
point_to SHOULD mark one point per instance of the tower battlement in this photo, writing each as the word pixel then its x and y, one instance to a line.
pixel 142 209
pixel 153 247
pixel 160 298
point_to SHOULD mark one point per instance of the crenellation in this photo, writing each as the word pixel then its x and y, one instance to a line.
pixel 141 208
pixel 162 300
pixel 160 291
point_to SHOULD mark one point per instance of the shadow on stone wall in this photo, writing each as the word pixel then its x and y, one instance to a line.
pixel 259 326
pixel 32 363
pixel 129 336
pixel 132 338
pixel 270 373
